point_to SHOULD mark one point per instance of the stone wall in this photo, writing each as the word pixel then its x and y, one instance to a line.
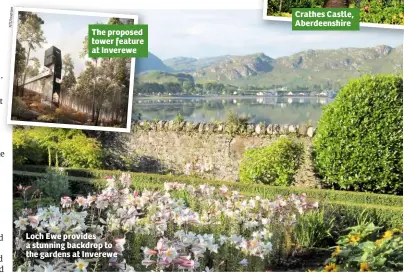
pixel 41 84
pixel 168 146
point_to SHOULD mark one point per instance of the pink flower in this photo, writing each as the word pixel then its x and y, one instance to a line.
pixel 66 201
pixel 81 201
pixel 185 263
pixel 147 251
pixel 33 220
pixel 160 245
pixel 119 244
pixel 23 188
pixel 164 263
pixel 147 262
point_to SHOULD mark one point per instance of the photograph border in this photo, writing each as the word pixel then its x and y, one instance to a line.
pixel 288 19
pixel 15 11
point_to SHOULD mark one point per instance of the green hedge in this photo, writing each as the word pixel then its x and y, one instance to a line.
pixel 346 212
pixel 274 165
pixel 359 139
pixel 263 190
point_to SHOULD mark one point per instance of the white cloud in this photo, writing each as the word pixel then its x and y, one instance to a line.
pixel 203 33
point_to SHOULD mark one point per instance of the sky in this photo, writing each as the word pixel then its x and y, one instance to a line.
pixel 208 33
pixel 67 33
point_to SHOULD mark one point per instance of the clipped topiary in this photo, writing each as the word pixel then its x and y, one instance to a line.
pixel 275 164
pixel 359 140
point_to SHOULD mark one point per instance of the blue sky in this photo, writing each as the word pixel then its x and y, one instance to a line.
pixel 202 33
pixel 207 33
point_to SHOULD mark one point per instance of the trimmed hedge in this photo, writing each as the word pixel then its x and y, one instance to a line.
pixel 274 165
pixel 264 190
pixel 359 139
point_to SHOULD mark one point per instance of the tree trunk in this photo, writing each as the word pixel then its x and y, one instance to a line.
pixel 25 72
pixel 15 92
pixel 95 81
pixel 97 116
pixel 336 4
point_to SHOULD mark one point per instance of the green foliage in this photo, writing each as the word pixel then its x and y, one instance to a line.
pixel 54 184
pixel 70 148
pixel 235 124
pixel 371 11
pixel 382 12
pixel 274 165
pixel 359 142
pixel 69 80
pixel 334 196
pixel 365 249
pixel 19 205
pixel 28 25
pixel 312 229
pixel 25 150
pixel 20 58
pixel 33 70
pixel 179 118
pixel 276 6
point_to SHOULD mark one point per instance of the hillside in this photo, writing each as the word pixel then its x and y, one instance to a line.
pixel 164 77
pixel 186 64
pixel 152 62
pixel 331 67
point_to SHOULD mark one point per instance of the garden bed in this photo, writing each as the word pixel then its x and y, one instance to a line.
pixel 172 226
pixel 386 209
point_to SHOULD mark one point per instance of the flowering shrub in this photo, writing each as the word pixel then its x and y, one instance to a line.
pixel 363 250
pixel 181 228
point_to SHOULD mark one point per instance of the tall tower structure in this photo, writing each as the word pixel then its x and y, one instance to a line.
pixel 53 61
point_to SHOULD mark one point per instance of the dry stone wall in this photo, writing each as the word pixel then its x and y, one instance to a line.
pixel 170 146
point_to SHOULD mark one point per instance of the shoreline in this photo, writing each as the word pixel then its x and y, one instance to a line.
pixel 227 97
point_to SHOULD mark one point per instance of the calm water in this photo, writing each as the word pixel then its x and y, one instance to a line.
pixel 286 110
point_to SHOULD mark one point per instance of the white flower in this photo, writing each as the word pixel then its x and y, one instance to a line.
pixel 170 254
pixel 119 244
pixel 54 228
pixel 267 247
pixel 21 223
pixel 222 239
pixel 223 189
pixel 243 262
pixel 81 265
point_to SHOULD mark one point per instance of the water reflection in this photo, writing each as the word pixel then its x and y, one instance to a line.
pixel 292 110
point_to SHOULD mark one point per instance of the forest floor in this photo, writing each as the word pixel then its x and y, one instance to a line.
pixel 29 107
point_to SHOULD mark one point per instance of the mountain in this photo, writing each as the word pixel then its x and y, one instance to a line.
pixel 188 65
pixel 152 62
pixel 237 67
pixel 330 67
pixel 344 58
pixel 164 77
